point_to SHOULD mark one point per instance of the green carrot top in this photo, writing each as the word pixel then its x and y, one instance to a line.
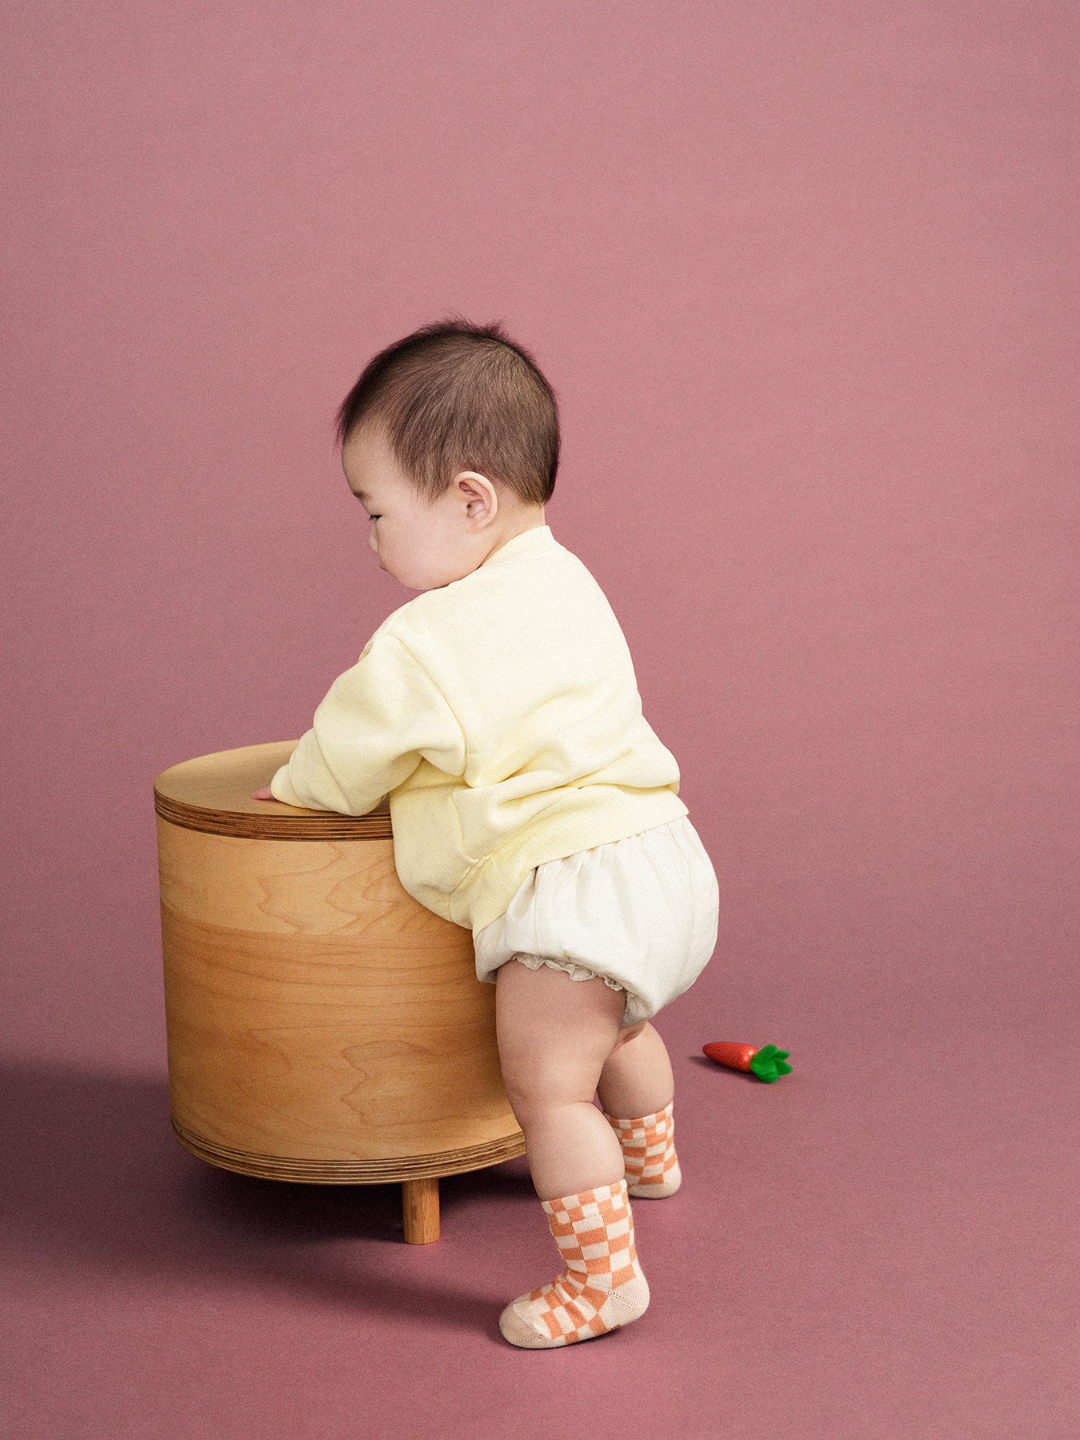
pixel 770 1063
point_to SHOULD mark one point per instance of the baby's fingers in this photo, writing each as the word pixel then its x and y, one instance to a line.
pixel 264 794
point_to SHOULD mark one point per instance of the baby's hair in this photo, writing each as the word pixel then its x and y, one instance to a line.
pixel 456 396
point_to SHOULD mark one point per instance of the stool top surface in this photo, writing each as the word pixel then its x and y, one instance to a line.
pixel 213 793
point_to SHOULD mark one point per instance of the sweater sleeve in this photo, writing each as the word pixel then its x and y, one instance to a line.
pixel 375 725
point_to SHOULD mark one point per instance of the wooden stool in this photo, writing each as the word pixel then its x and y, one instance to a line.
pixel 323 1026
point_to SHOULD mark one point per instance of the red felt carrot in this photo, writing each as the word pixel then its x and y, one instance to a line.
pixel 767 1064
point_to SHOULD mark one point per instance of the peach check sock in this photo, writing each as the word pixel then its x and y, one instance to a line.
pixel 602 1286
pixel 652 1167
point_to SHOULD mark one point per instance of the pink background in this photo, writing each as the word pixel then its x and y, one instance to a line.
pixel 804 279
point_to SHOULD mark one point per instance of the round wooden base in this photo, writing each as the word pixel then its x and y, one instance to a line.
pixel 323 1026
pixel 351 1172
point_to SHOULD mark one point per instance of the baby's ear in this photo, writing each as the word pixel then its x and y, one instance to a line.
pixel 480 498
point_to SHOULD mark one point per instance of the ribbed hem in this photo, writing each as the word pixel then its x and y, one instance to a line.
pixel 589 1201
pixel 281 788
pixel 486 891
pixel 642 1122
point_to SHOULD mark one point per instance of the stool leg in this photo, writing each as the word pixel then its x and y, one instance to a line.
pixel 420 1210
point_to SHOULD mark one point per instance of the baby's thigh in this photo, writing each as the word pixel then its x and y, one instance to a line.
pixel 554 1033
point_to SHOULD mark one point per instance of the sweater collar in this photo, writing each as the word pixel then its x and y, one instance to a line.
pixel 529 542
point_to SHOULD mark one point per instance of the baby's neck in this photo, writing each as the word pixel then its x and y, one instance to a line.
pixel 520 519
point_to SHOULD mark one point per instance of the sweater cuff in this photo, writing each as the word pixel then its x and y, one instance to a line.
pixel 282 790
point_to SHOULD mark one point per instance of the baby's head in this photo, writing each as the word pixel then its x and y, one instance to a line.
pixel 450 440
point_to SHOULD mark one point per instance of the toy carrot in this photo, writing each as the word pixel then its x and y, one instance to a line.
pixel 767 1064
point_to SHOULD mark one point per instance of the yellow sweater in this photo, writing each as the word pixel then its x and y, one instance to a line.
pixel 501 715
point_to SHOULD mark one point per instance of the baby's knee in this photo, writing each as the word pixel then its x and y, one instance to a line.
pixel 528 1107
pixel 537 1094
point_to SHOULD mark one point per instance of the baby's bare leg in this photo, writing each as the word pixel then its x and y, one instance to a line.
pixel 636 1078
pixel 554 1036
pixel 636 1089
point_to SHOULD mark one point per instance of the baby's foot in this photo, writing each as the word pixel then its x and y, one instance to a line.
pixel 652 1167
pixel 602 1287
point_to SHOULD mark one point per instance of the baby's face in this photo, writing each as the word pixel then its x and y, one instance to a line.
pixel 423 544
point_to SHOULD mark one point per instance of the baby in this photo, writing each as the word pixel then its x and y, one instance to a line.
pixel 530 800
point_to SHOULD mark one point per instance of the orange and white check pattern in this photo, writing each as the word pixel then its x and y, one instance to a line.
pixel 648 1143
pixel 595 1235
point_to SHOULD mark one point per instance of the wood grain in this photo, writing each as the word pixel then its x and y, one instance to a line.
pixel 420 1211
pixel 359 1172
pixel 322 1025
pixel 213 793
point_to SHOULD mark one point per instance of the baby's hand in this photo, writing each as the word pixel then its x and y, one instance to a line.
pixel 264 794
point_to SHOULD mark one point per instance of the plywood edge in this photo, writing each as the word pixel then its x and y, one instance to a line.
pixel 352 1172
pixel 213 793
pixel 284 824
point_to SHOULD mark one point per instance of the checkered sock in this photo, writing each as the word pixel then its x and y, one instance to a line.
pixel 652 1167
pixel 602 1286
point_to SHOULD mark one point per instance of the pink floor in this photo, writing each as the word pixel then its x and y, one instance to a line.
pixel 883 1244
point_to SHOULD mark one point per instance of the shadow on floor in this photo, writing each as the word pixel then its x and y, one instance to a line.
pixel 93 1179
